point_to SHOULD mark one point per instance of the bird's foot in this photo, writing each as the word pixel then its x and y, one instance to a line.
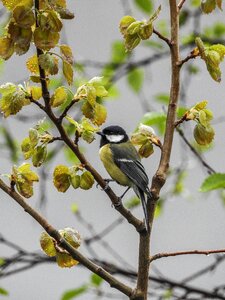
pixel 118 203
pixel 107 181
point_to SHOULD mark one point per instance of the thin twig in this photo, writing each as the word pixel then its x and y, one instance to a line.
pixel 162 37
pixel 201 252
pixel 192 55
pixel 180 4
pixel 64 113
pixel 210 170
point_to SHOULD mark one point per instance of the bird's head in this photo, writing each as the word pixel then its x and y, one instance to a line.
pixel 113 135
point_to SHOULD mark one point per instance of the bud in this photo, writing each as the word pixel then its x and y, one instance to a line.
pixel 213 58
pixel 47 244
pixel 134 27
pixel 203 135
pixel 146 31
pixel 65 260
pixel 72 236
pixel 132 41
pixel 86 180
pixel 124 24
pixel 75 181
pixel 146 150
pixel 33 136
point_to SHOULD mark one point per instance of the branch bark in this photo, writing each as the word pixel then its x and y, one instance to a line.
pixel 64 244
pixel 199 252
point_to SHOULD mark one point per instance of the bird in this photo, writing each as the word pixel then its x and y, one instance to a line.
pixel 123 163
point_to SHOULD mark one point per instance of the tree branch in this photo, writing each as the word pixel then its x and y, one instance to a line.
pixel 169 254
pixel 162 37
pixel 180 4
pixel 64 244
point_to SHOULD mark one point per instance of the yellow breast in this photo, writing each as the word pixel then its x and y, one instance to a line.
pixel 114 171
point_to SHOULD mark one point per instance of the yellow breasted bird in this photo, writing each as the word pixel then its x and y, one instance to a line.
pixel 122 161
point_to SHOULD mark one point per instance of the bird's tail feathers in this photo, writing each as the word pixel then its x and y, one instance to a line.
pixel 144 205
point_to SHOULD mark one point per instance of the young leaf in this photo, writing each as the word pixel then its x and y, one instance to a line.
pixel 96 280
pixel 72 236
pixel 13 99
pixel 86 180
pixel 24 179
pixel 47 244
pixel 39 155
pixel 145 5
pixel 66 53
pixel 36 92
pixel 11 4
pixel 3 292
pixel 74 293
pixel 32 64
pixel 135 79
pixel 59 97
pixel 68 72
pixel 6 47
pixel 61 178
pixel 203 135
pixel 45 39
pixel 49 63
pixel 65 260
pixel 213 182
pixel 23 16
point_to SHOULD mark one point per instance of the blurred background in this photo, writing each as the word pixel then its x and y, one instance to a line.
pixel 186 218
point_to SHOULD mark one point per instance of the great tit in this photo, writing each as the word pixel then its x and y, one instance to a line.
pixel 122 161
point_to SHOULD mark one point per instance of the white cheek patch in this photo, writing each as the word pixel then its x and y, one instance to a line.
pixel 116 138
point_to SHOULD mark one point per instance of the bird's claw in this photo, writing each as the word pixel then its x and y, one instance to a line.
pixel 106 186
pixel 118 203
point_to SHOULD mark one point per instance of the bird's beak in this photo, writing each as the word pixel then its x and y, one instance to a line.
pixel 100 133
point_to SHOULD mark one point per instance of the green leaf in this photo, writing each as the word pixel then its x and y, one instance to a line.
pixel 59 97
pixel 72 236
pixel 133 202
pixel 61 178
pixel 65 260
pixel 70 156
pixel 86 180
pixel 3 292
pixel 45 39
pixel 2 261
pixel 213 182
pixel 208 6
pixel 66 53
pixel 135 79
pixel 118 52
pixel 49 63
pixel 74 208
pixel 145 5
pixel 24 179
pixel 47 244
pixel 13 99
pixel 6 47
pixel 203 135
pixel 74 293
pixel 23 16
pixel 163 98
pixel 39 155
pixel 96 280
pixel 68 72
pixel 155 118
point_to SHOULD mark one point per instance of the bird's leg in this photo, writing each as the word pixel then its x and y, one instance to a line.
pixel 107 180
pixel 121 197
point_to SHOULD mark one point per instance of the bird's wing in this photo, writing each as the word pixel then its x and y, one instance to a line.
pixel 129 163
